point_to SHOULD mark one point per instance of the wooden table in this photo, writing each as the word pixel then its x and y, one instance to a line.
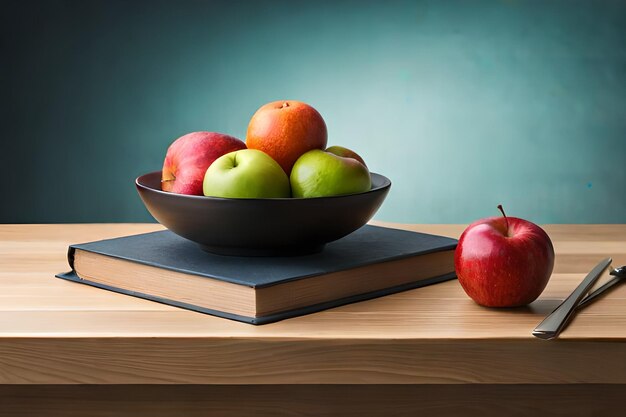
pixel 68 349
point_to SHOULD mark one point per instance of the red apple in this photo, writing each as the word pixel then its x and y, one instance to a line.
pixel 285 130
pixel 504 261
pixel 188 158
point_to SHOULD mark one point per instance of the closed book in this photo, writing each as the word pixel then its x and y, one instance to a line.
pixel 161 266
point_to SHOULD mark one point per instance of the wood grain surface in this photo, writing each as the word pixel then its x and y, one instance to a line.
pixel 58 332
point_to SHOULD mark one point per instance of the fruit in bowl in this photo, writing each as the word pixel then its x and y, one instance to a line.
pixel 188 158
pixel 320 173
pixel 285 130
pixel 247 173
pixel 234 200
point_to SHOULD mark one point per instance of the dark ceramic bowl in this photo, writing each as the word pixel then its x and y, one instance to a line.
pixel 261 227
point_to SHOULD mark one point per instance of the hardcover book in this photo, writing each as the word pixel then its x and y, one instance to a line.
pixel 161 266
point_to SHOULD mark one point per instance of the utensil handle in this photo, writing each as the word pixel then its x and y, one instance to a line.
pixel 552 325
pixel 605 287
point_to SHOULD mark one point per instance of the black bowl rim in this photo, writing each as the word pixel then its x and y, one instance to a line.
pixel 386 183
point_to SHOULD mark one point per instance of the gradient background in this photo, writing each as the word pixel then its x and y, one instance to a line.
pixel 463 104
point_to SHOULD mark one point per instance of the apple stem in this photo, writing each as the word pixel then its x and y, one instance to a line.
pixel 285 104
pixel 505 218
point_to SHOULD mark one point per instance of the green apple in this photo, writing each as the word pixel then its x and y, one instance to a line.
pixel 319 173
pixel 246 173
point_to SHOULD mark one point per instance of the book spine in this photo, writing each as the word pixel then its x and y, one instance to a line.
pixel 70 256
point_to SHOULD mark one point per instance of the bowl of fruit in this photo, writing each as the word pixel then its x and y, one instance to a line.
pixel 282 192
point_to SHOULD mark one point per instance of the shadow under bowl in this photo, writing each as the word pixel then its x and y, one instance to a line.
pixel 261 227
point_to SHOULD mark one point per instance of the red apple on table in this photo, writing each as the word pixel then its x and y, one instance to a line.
pixel 504 261
pixel 188 158
pixel 285 130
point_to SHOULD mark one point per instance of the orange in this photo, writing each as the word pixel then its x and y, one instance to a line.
pixel 285 130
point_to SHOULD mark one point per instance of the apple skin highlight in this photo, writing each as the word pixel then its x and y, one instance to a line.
pixel 504 261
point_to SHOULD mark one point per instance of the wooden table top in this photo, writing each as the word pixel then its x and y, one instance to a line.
pixel 57 332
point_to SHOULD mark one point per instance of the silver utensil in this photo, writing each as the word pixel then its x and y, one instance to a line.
pixel 552 325
pixel 619 274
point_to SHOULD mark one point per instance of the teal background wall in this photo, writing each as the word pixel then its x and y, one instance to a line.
pixel 463 104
